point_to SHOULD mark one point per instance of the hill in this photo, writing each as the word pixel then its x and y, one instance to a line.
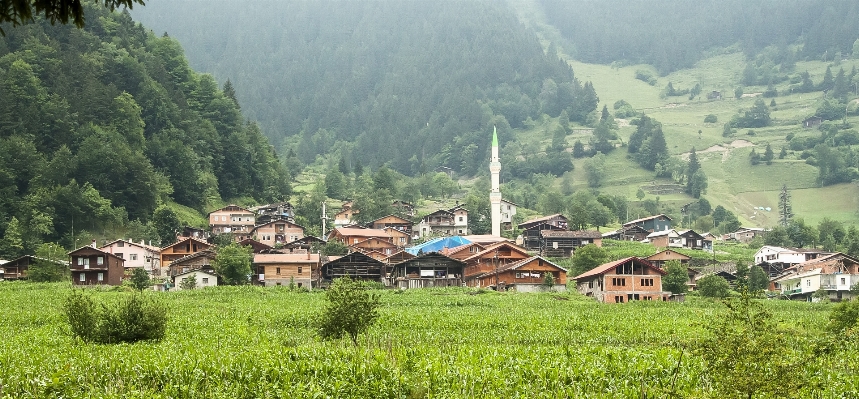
pixel 101 126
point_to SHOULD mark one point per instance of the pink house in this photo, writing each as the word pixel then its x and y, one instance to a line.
pixel 135 254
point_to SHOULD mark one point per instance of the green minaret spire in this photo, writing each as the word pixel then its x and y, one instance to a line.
pixel 494 136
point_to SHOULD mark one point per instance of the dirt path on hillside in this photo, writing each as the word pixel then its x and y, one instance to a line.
pixel 725 149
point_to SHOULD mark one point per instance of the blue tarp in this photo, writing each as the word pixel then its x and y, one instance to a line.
pixel 437 244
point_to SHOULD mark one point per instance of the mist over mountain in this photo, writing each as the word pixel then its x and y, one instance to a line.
pixel 413 84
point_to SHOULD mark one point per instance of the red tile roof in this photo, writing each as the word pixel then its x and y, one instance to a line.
pixel 606 267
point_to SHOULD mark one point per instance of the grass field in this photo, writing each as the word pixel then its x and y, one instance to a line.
pixel 249 342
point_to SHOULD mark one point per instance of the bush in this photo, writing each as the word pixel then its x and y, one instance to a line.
pixel 133 318
pixel 645 76
pixel 711 119
pixel 845 316
pixel 351 310
pixel 140 279
pixel 713 286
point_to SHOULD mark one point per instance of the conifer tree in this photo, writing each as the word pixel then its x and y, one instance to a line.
pixel 785 211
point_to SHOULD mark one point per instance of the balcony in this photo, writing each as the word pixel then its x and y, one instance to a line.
pixel 792 292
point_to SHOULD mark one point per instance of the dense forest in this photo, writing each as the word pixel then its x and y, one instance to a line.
pixel 674 34
pixel 357 79
pixel 101 126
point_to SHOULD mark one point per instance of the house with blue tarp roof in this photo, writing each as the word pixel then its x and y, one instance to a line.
pixel 437 244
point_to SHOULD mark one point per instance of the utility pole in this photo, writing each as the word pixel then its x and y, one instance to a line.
pixel 324 219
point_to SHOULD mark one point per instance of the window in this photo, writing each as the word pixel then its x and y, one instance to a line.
pixel 99 260
pixel 101 277
pixel 618 299
pixel 618 281
pixel 82 277
pixel 591 284
pixel 120 244
pixel 119 254
pixel 205 280
pixel 843 281
pixel 300 269
pixel 132 256
pixel 647 282
pixel 808 283
pixel 277 271
pixel 83 261
pixel 460 218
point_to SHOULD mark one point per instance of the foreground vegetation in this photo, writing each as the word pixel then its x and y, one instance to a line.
pixel 236 342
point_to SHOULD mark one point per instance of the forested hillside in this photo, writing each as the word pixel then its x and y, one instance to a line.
pixel 100 126
pixel 674 34
pixel 413 84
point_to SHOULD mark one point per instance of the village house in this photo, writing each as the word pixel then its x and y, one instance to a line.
pixel 351 235
pixel 277 232
pixel 179 250
pixel 647 225
pixel 303 245
pixel 188 231
pixel 664 239
pixel 812 122
pixel 285 269
pixel 834 274
pixel 346 214
pixel 92 266
pixel 692 240
pixel 136 255
pixel 256 246
pixel 201 260
pixel 442 222
pixel 272 212
pixel 508 211
pixel 464 251
pixel 204 278
pixel 775 260
pixel 398 257
pixel 394 223
pixel 232 219
pixel 531 229
pixel 560 244
pixel 427 270
pixel 526 275
pixel 356 266
pixel 492 257
pixel 746 234
pixel 624 280
pixel 18 269
pixel 383 246
pixel 660 258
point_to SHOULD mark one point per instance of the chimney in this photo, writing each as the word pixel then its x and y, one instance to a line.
pixel 93 244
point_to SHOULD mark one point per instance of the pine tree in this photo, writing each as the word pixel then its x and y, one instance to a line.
pixel 693 167
pixel 768 155
pixel 785 211
pixel 828 80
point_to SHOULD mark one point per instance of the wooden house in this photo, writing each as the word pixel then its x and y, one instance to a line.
pixel 136 255
pixel 463 252
pixel 660 258
pixel 427 270
pixel 376 255
pixel 272 212
pixel 492 257
pixel 181 249
pixel 692 240
pixel 283 269
pixel 18 269
pixel 383 246
pixel 624 280
pixel 556 220
pixel 351 236
pixel 277 232
pixel 346 214
pixel 395 223
pixel 204 278
pixel 201 260
pixel 650 224
pixel 398 257
pixel 92 266
pixel 533 234
pixel 232 219
pixel 664 239
pixel 256 246
pixel 354 265
pixel 812 122
pixel 746 234
pixel 398 237
pixel 443 222
pixel 306 244
pixel 562 243
pixel 633 233
pixel 526 275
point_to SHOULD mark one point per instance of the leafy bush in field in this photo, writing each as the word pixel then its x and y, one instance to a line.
pixel 351 310
pixel 140 279
pixel 713 286
pixel 645 76
pixel 711 118
pixel 844 317
pixel 133 318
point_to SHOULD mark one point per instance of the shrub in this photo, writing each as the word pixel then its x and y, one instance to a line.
pixel 133 318
pixel 140 279
pixel 189 282
pixel 711 119
pixel 713 286
pixel 645 76
pixel 351 310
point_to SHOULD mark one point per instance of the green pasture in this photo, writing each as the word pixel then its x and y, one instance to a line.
pixel 250 342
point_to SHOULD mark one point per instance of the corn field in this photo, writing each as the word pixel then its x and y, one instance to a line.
pixel 250 342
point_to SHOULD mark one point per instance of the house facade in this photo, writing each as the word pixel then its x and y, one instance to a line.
pixel 660 258
pixel 491 258
pixel 92 266
pixel 181 249
pixel 201 260
pixel 834 274
pixel 351 235
pixel 276 211
pixel 786 256
pixel 746 234
pixel 204 278
pixel 428 270
pixel 532 234
pixel 277 232
pixel 283 269
pixel 526 275
pixel 692 240
pixel 19 268
pixel 234 220
pixel 624 280
pixel 136 255
pixel 355 265
pixel 346 215
pixel 651 223
pixel 562 243
pixel 508 211
pixel 444 223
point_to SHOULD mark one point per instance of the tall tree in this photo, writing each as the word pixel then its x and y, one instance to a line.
pixel 676 279
pixel 785 210
pixel 233 263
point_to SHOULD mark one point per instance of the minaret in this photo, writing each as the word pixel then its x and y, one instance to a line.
pixel 495 194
